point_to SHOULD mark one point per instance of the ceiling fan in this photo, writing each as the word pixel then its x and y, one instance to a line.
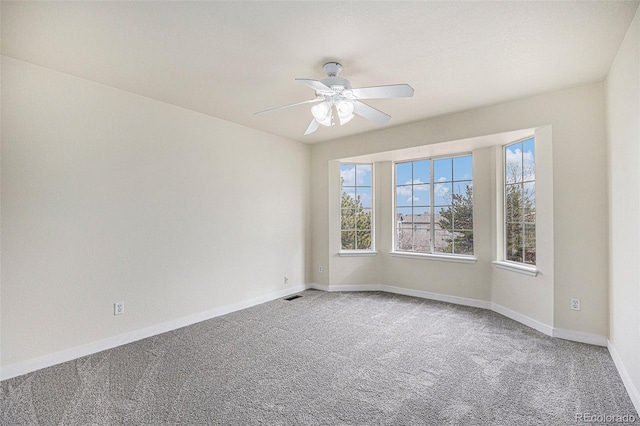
pixel 336 93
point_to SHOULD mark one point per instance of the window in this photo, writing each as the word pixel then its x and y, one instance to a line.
pixel 520 202
pixel 356 201
pixel 434 206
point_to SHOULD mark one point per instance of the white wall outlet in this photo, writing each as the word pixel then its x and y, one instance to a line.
pixel 286 280
pixel 575 304
pixel 320 268
pixel 118 308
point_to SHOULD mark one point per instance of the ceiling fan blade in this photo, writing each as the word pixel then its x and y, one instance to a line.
pixel 382 92
pixel 315 85
pixel 290 105
pixel 370 113
pixel 313 126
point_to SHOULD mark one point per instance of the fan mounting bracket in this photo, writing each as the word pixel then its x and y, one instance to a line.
pixel 332 68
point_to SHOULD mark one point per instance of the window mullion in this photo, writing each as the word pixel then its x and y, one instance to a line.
pixel 432 230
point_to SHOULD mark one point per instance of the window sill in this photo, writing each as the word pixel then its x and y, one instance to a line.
pixel 357 253
pixel 520 268
pixel 439 257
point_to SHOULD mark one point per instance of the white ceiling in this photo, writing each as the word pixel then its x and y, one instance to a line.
pixel 230 59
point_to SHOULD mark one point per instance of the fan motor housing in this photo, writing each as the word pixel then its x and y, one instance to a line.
pixel 337 84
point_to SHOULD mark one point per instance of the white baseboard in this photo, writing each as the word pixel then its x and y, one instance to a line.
pixel 456 300
pixel 57 358
pixel 333 288
pixel 579 336
pixel 632 389
pixel 576 336
pixel 523 319
pixel 406 292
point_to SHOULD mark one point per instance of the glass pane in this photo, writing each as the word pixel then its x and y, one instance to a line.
pixel 348 174
pixel 528 159
pixel 363 240
pixel 404 239
pixel 442 170
pixel 463 216
pixel 347 219
pixel 515 203
pixel 421 195
pixel 442 193
pixel 443 241
pixel 348 196
pixel 404 195
pixel 463 242
pixel 363 195
pixel 513 163
pixel 402 213
pixel 514 246
pixel 461 188
pixel 403 173
pixel 348 240
pixel 463 168
pixel 422 171
pixel 444 218
pixel 421 215
pixel 363 174
pixel 422 240
pixel 530 244
pixel 421 219
pixel 363 219
pixel 529 202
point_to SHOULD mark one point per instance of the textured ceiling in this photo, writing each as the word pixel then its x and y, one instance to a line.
pixel 230 59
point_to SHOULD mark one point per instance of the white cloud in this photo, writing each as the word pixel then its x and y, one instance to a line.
pixel 356 175
pixel 348 176
pixel 516 160
pixel 403 191
pixel 441 190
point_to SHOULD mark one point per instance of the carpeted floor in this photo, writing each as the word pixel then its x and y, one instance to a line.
pixel 330 359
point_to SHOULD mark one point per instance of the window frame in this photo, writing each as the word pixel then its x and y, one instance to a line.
pixel 504 262
pixel 432 254
pixel 358 252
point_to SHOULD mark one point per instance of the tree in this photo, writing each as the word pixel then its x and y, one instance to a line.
pixel 355 223
pixel 457 218
pixel 520 213
pixel 520 234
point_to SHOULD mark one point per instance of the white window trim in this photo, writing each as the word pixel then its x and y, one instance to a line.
pixel 357 253
pixel 521 268
pixel 442 257
pixel 372 251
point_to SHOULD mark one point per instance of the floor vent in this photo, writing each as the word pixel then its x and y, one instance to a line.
pixel 297 296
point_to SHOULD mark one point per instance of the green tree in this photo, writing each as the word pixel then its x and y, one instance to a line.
pixel 355 223
pixel 520 231
pixel 520 213
pixel 457 218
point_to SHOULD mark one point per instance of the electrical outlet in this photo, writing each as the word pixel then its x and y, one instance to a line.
pixel 575 304
pixel 320 269
pixel 286 280
pixel 118 308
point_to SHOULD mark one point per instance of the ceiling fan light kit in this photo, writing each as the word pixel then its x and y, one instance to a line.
pixel 336 93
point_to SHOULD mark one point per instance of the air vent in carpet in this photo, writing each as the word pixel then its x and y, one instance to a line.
pixel 297 296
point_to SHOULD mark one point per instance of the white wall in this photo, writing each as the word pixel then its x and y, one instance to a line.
pixel 576 232
pixel 109 196
pixel 623 135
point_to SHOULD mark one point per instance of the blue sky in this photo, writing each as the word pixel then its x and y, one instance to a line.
pixel 520 161
pixel 449 174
